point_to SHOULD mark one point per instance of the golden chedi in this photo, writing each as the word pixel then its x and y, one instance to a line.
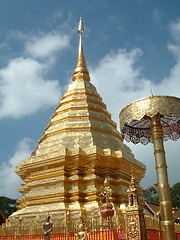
pixel 79 149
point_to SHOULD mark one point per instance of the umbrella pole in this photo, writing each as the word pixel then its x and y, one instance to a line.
pixel 162 177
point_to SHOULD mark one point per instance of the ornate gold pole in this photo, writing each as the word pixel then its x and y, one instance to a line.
pixel 154 119
pixel 162 177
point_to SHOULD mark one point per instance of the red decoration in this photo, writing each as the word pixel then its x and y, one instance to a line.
pixel 107 211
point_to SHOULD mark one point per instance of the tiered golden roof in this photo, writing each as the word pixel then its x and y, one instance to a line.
pixel 79 149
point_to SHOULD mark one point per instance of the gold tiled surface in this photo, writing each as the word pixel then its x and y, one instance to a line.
pixel 79 149
pixel 165 105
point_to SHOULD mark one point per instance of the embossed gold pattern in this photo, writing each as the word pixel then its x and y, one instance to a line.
pixel 79 149
pixel 135 118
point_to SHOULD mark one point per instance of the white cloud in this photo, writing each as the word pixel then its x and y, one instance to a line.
pixel 24 87
pixel 45 45
pixel 171 84
pixel 175 30
pixel 114 21
pixel 120 81
pixel 56 16
pixel 157 16
pixel 10 181
pixel 24 90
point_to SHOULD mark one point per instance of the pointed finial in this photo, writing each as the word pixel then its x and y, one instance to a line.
pixel 106 181
pixel 81 26
pixel 132 185
pixel 107 189
pixel 81 71
pixel 151 92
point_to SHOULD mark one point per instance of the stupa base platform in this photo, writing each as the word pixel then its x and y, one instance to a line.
pixel 65 216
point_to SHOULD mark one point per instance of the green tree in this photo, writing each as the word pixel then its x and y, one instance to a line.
pixel 175 195
pixel 151 195
pixel 7 205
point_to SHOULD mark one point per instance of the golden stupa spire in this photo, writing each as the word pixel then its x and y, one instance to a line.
pixel 80 71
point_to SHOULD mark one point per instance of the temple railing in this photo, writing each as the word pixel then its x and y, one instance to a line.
pixel 96 230
pixel 115 234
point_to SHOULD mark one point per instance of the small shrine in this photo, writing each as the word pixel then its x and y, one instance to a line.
pixel 135 223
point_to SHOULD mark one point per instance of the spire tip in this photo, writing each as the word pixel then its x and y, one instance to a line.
pixel 80 71
pixel 81 26
pixel 151 92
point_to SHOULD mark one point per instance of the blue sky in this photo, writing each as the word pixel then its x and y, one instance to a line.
pixel 128 46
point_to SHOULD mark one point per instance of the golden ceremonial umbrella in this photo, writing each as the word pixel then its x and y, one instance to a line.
pixel 154 119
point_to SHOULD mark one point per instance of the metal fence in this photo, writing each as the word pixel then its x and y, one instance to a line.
pixel 95 230
pixel 116 234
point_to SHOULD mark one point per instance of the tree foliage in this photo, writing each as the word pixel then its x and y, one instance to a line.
pixel 175 195
pixel 151 195
pixel 7 205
